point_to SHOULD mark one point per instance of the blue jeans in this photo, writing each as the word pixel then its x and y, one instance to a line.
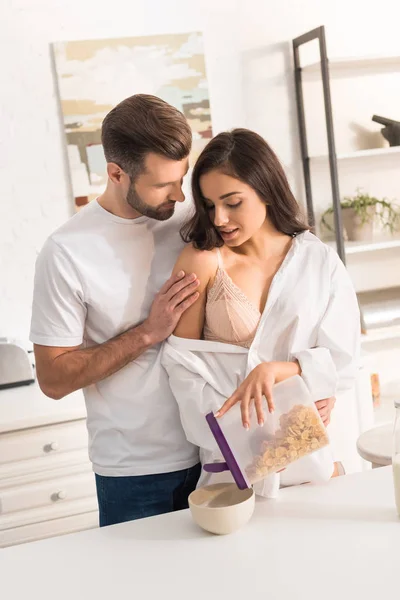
pixel 127 498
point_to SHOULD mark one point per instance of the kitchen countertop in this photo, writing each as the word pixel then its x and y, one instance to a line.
pixel 27 406
pixel 335 541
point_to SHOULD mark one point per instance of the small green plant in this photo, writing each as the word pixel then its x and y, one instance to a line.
pixel 387 213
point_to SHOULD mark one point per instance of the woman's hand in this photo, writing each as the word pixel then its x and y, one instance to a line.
pixel 325 408
pixel 256 385
pixel 259 384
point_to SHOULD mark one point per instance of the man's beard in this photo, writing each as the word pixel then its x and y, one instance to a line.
pixel 160 213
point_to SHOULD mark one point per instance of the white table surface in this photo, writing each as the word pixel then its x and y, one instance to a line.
pixel 336 541
pixel 27 406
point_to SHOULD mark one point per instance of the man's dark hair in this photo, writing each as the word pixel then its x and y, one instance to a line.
pixel 142 124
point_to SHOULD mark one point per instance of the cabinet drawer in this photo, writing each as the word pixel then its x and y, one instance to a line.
pixel 40 514
pixel 46 529
pixel 34 470
pixel 42 441
pixel 63 489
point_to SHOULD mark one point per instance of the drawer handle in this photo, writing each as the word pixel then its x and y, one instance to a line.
pixel 52 447
pixel 61 495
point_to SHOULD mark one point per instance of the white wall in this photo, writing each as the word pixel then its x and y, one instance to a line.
pixel 248 56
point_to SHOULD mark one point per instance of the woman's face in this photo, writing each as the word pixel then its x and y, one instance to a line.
pixel 235 209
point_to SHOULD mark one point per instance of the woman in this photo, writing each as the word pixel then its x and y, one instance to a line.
pixel 266 283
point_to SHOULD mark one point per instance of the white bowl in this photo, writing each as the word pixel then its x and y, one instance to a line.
pixel 221 508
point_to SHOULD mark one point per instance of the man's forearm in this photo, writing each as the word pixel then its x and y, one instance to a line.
pixel 76 369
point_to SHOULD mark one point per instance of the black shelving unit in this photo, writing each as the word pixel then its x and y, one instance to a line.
pixel 319 34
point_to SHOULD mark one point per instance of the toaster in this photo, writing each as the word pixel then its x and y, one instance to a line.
pixel 15 366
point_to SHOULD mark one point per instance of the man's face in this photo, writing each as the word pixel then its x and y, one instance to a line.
pixel 155 191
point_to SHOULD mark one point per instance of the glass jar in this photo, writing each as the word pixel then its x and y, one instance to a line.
pixel 396 456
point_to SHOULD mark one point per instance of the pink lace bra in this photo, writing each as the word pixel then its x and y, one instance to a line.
pixel 230 317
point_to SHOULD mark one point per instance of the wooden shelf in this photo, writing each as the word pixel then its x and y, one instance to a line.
pixel 360 62
pixel 361 247
pixel 360 154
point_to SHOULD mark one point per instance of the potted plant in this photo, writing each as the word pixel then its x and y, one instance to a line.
pixel 359 213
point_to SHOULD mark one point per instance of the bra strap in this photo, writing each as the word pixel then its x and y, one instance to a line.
pixel 219 257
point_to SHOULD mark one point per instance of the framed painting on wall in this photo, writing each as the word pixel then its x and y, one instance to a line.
pixel 95 75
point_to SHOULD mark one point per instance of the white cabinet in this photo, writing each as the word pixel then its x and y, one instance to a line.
pixel 47 486
pixel 41 441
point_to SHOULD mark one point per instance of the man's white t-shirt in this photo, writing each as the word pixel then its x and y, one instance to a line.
pixel 95 278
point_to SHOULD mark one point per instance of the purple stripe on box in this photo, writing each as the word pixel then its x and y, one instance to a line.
pixel 226 451
pixel 217 467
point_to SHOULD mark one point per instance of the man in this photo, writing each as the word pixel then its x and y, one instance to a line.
pixel 102 307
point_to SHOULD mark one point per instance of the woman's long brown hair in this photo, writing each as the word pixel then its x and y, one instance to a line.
pixel 245 155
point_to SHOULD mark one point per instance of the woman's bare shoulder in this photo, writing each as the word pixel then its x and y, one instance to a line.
pixel 201 262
